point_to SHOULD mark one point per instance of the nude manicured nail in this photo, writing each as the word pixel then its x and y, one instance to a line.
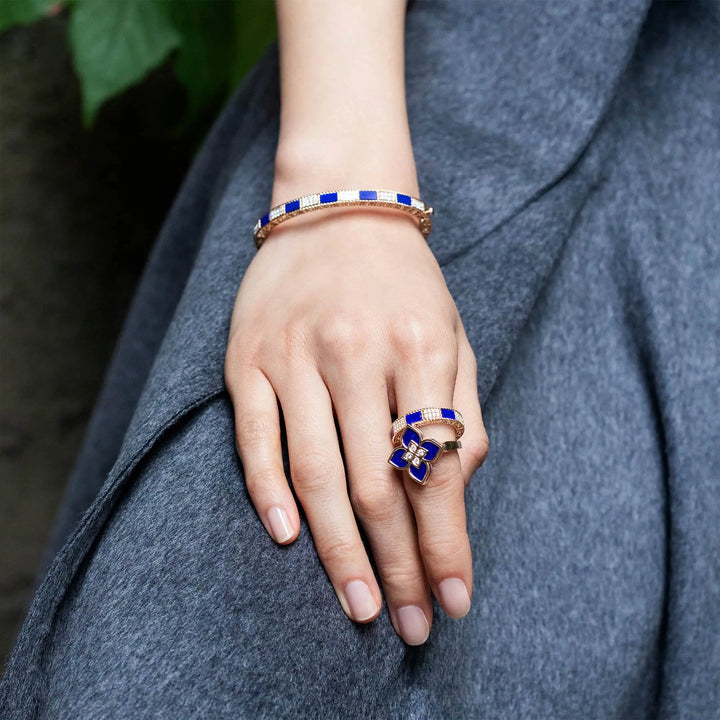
pixel 454 597
pixel 279 524
pixel 362 603
pixel 412 624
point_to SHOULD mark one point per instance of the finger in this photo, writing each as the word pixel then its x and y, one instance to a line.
pixel 475 443
pixel 428 380
pixel 379 499
pixel 257 437
pixel 318 476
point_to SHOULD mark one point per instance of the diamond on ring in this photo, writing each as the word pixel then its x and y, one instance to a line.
pixel 416 454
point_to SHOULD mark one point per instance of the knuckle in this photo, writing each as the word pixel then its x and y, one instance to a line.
pixel 443 360
pixel 414 335
pixel 312 472
pixel 478 451
pixel 484 450
pixel 437 348
pixel 261 478
pixel 375 498
pixel 343 334
pixel 251 432
pixel 443 551
pixel 336 551
pixel 404 577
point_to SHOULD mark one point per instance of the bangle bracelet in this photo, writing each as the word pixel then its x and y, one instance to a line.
pixel 378 198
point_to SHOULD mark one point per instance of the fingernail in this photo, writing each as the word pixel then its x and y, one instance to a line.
pixel 279 524
pixel 454 597
pixel 413 625
pixel 362 603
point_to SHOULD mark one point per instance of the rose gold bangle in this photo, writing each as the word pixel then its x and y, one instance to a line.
pixel 377 198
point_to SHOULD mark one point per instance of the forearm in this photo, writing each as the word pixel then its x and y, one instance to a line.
pixel 343 117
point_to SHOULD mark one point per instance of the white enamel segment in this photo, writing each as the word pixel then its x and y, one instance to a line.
pixel 310 200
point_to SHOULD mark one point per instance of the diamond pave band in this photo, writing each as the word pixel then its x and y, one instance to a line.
pixel 427 416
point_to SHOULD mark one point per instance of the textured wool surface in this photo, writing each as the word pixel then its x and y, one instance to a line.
pixel 572 153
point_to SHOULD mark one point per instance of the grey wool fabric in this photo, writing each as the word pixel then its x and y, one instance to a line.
pixel 572 154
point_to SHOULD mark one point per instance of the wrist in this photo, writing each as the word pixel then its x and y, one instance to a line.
pixel 308 166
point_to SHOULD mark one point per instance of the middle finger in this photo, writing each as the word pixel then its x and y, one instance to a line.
pixel 318 477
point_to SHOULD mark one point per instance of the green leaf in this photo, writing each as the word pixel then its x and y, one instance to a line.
pixel 221 40
pixel 115 43
pixel 204 61
pixel 24 12
pixel 255 29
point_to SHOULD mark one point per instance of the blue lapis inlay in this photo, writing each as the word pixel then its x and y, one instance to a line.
pixel 419 473
pixel 413 417
pixel 328 197
pixel 432 450
pixel 368 194
pixel 294 205
pixel 447 413
pixel 265 219
pixel 415 454
pixel 410 436
pixel 404 199
pixel 396 458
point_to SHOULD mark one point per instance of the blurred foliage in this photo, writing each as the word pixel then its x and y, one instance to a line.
pixel 116 43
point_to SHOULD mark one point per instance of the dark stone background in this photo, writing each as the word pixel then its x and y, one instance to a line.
pixel 79 211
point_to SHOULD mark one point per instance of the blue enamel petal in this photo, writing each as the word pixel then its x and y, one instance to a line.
pixel 409 435
pixel 432 449
pixel 396 459
pixel 419 473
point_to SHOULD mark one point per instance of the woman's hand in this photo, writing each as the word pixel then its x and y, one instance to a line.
pixel 344 313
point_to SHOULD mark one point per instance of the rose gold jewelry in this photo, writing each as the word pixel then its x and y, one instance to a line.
pixel 428 416
pixel 377 198
pixel 416 454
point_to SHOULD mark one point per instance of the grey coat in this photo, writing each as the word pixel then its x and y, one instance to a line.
pixel 572 154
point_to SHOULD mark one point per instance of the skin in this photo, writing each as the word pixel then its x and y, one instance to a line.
pixel 323 330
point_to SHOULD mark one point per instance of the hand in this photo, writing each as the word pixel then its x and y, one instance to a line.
pixel 344 313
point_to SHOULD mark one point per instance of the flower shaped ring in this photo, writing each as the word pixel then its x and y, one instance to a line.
pixel 416 454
